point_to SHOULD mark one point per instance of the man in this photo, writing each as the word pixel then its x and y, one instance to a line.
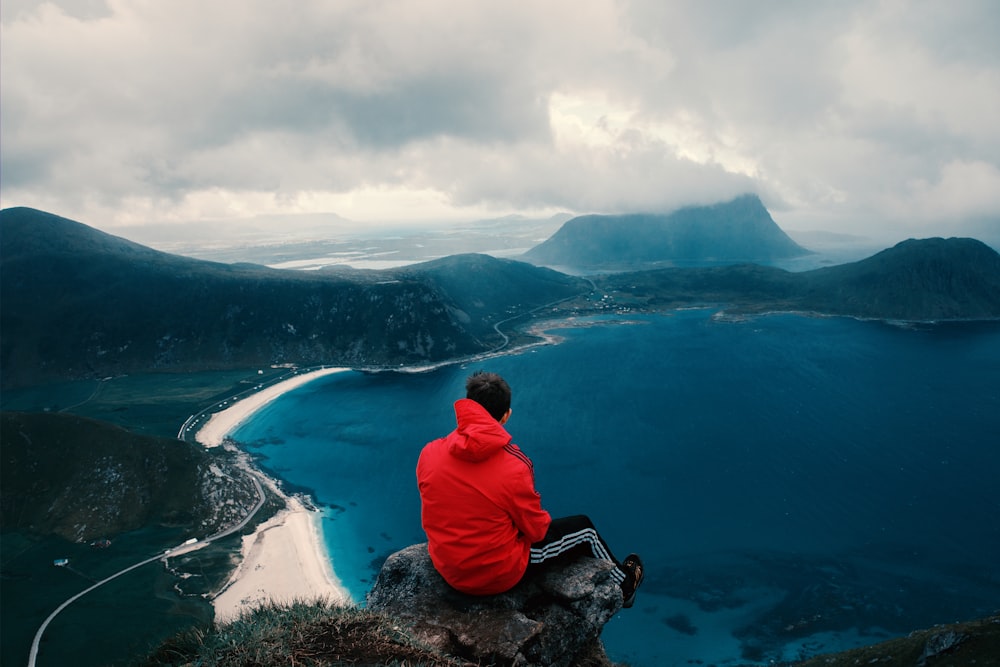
pixel 483 517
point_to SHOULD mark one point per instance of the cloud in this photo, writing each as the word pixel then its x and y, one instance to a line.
pixel 837 113
pixel 962 190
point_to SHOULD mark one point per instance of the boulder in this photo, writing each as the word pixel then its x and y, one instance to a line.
pixel 552 619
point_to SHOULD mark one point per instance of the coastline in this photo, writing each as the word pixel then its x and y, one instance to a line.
pixel 285 559
pixel 224 422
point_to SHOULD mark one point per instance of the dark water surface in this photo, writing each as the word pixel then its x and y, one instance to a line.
pixel 795 485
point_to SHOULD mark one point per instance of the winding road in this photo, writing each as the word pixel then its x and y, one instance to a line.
pixel 179 550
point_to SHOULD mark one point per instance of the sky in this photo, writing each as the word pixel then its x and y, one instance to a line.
pixel 867 116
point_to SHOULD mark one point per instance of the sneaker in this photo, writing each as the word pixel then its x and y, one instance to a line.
pixel 633 568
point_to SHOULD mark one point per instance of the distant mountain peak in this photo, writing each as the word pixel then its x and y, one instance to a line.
pixel 738 230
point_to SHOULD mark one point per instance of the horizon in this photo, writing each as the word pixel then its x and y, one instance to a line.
pixel 857 118
pixel 310 246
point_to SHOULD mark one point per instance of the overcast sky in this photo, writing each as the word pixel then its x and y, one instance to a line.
pixel 842 115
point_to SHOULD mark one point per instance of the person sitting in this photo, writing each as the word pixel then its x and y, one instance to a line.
pixel 486 529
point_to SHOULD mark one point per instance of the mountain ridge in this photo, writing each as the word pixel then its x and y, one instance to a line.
pixel 82 303
pixel 918 280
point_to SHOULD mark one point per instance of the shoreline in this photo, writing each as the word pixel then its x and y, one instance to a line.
pixel 213 433
pixel 285 559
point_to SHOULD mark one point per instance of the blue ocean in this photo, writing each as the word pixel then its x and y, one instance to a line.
pixel 795 485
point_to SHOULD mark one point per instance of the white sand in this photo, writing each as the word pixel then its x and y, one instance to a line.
pixel 285 559
pixel 222 423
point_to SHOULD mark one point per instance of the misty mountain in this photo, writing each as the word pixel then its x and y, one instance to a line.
pixel 81 303
pixel 916 280
pixel 740 230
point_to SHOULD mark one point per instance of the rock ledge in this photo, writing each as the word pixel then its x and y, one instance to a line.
pixel 552 620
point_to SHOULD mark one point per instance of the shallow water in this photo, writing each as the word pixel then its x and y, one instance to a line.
pixel 795 485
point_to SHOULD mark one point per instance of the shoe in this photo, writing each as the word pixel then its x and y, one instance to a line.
pixel 633 567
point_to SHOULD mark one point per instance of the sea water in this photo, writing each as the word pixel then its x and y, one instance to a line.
pixel 794 485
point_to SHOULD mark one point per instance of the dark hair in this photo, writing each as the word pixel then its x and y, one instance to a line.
pixel 489 390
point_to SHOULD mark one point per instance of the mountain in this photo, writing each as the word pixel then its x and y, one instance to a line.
pixel 83 479
pixel 916 280
pixel 926 279
pixel 77 302
pixel 740 230
pixel 81 303
pixel 490 290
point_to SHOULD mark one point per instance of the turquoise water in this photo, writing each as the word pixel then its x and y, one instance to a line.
pixel 795 485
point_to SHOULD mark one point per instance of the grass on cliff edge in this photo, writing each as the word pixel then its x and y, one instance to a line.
pixel 319 634
pixel 306 634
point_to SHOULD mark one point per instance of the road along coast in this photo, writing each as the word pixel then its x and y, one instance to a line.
pixel 285 559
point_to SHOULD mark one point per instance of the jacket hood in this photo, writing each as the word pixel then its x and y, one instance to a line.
pixel 478 436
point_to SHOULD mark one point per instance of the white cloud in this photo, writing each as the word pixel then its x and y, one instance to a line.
pixel 838 113
pixel 962 190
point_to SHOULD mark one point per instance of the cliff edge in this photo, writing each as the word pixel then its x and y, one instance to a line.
pixel 553 620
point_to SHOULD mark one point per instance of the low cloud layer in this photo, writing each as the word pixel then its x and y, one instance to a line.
pixel 866 116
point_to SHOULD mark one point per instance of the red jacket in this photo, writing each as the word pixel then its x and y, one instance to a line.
pixel 479 506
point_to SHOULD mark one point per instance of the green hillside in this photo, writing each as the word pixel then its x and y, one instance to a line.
pixel 917 280
pixel 83 479
pixel 80 303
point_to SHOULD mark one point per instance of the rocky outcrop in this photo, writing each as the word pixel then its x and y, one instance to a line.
pixel 550 620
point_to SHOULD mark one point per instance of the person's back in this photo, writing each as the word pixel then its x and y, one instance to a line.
pixel 485 526
pixel 479 506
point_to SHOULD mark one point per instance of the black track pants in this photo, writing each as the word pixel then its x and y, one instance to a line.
pixel 570 537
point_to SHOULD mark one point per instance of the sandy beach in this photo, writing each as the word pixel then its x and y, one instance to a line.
pixel 285 559
pixel 222 423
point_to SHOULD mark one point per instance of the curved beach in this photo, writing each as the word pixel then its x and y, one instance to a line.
pixel 222 423
pixel 285 559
